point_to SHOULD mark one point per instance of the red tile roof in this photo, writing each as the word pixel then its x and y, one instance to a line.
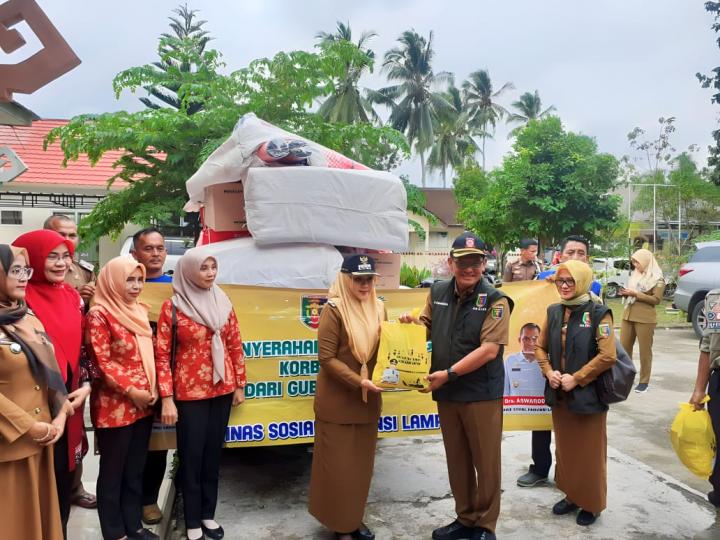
pixel 45 167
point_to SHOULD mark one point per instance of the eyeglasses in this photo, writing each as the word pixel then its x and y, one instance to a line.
pixel 54 257
pixel 362 280
pixel 21 272
pixel 569 283
pixel 533 338
pixel 462 263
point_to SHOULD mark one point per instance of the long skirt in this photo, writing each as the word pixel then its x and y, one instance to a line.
pixel 28 498
pixel 342 467
pixel 581 457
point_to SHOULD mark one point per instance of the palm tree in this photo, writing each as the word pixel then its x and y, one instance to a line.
pixel 346 104
pixel 454 144
pixel 528 107
pixel 480 99
pixel 415 108
pixel 185 27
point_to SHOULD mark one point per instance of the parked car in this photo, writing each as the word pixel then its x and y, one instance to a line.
pixel 614 274
pixel 176 246
pixel 695 279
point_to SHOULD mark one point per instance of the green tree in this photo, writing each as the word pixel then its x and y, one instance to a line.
pixel 528 107
pixel 416 202
pixel 480 98
pixel 161 148
pixel 415 107
pixel 186 31
pixel 453 144
pixel 554 183
pixel 713 81
pixel 346 104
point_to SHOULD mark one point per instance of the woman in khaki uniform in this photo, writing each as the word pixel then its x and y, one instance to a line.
pixel 577 344
pixel 32 411
pixel 347 403
pixel 643 293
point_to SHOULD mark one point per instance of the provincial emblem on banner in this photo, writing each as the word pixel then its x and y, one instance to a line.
pixel 310 309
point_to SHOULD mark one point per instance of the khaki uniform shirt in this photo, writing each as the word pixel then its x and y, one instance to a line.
pixel 642 310
pixel 710 341
pixel 521 271
pixel 496 327
pixel 80 273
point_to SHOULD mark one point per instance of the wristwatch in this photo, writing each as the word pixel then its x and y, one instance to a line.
pixel 452 375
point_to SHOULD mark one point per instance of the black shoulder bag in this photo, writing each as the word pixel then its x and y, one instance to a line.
pixel 614 385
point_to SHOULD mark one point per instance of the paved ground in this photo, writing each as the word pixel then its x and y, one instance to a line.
pixel 651 495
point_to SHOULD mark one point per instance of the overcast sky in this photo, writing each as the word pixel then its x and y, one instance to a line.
pixel 607 66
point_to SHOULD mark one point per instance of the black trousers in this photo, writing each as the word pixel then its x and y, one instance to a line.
pixel 200 436
pixel 541 455
pixel 153 475
pixel 119 483
pixel 64 479
pixel 714 410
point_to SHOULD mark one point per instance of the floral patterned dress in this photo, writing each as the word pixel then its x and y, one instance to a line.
pixel 116 357
pixel 192 378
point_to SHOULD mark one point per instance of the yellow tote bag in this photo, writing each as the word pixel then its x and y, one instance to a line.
pixel 693 439
pixel 403 359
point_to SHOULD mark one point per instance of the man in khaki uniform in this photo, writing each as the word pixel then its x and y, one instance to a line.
pixel 527 267
pixel 468 322
pixel 81 277
pixel 708 379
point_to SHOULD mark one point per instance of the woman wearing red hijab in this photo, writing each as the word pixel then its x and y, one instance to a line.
pixel 59 308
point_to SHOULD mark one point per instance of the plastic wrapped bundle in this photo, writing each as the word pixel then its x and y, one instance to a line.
pixel 298 266
pixel 256 143
pixel 326 206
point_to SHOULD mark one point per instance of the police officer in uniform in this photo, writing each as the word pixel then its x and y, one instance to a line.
pixel 467 320
pixel 527 267
pixel 81 277
pixel 708 379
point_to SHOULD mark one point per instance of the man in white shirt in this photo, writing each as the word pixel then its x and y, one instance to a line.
pixel 523 376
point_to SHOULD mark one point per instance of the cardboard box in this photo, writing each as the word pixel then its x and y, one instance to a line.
pixel 225 207
pixel 387 265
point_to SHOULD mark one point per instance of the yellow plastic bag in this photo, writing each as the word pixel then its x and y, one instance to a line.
pixel 403 359
pixel 693 439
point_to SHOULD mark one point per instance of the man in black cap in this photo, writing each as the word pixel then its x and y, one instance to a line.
pixel 468 320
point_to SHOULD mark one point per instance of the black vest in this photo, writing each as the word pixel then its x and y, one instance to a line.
pixel 455 332
pixel 580 348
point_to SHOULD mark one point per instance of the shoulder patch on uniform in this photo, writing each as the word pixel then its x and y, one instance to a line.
pixel 604 330
pixel 87 266
pixel 496 312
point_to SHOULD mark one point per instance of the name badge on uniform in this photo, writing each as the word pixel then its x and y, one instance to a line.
pixel 585 321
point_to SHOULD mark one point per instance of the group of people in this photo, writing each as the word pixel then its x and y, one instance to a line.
pixel 65 340
pixel 467 321
pixel 62 345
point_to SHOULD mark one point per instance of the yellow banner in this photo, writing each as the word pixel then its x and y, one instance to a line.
pixel 279 332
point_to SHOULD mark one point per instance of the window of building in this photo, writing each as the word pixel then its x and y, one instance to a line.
pixel 11 217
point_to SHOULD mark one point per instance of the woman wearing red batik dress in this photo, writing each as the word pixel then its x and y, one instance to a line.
pixel 207 377
pixel 120 343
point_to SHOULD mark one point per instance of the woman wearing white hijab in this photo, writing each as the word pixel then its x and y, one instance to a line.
pixel 347 403
pixel 643 293
pixel 200 384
